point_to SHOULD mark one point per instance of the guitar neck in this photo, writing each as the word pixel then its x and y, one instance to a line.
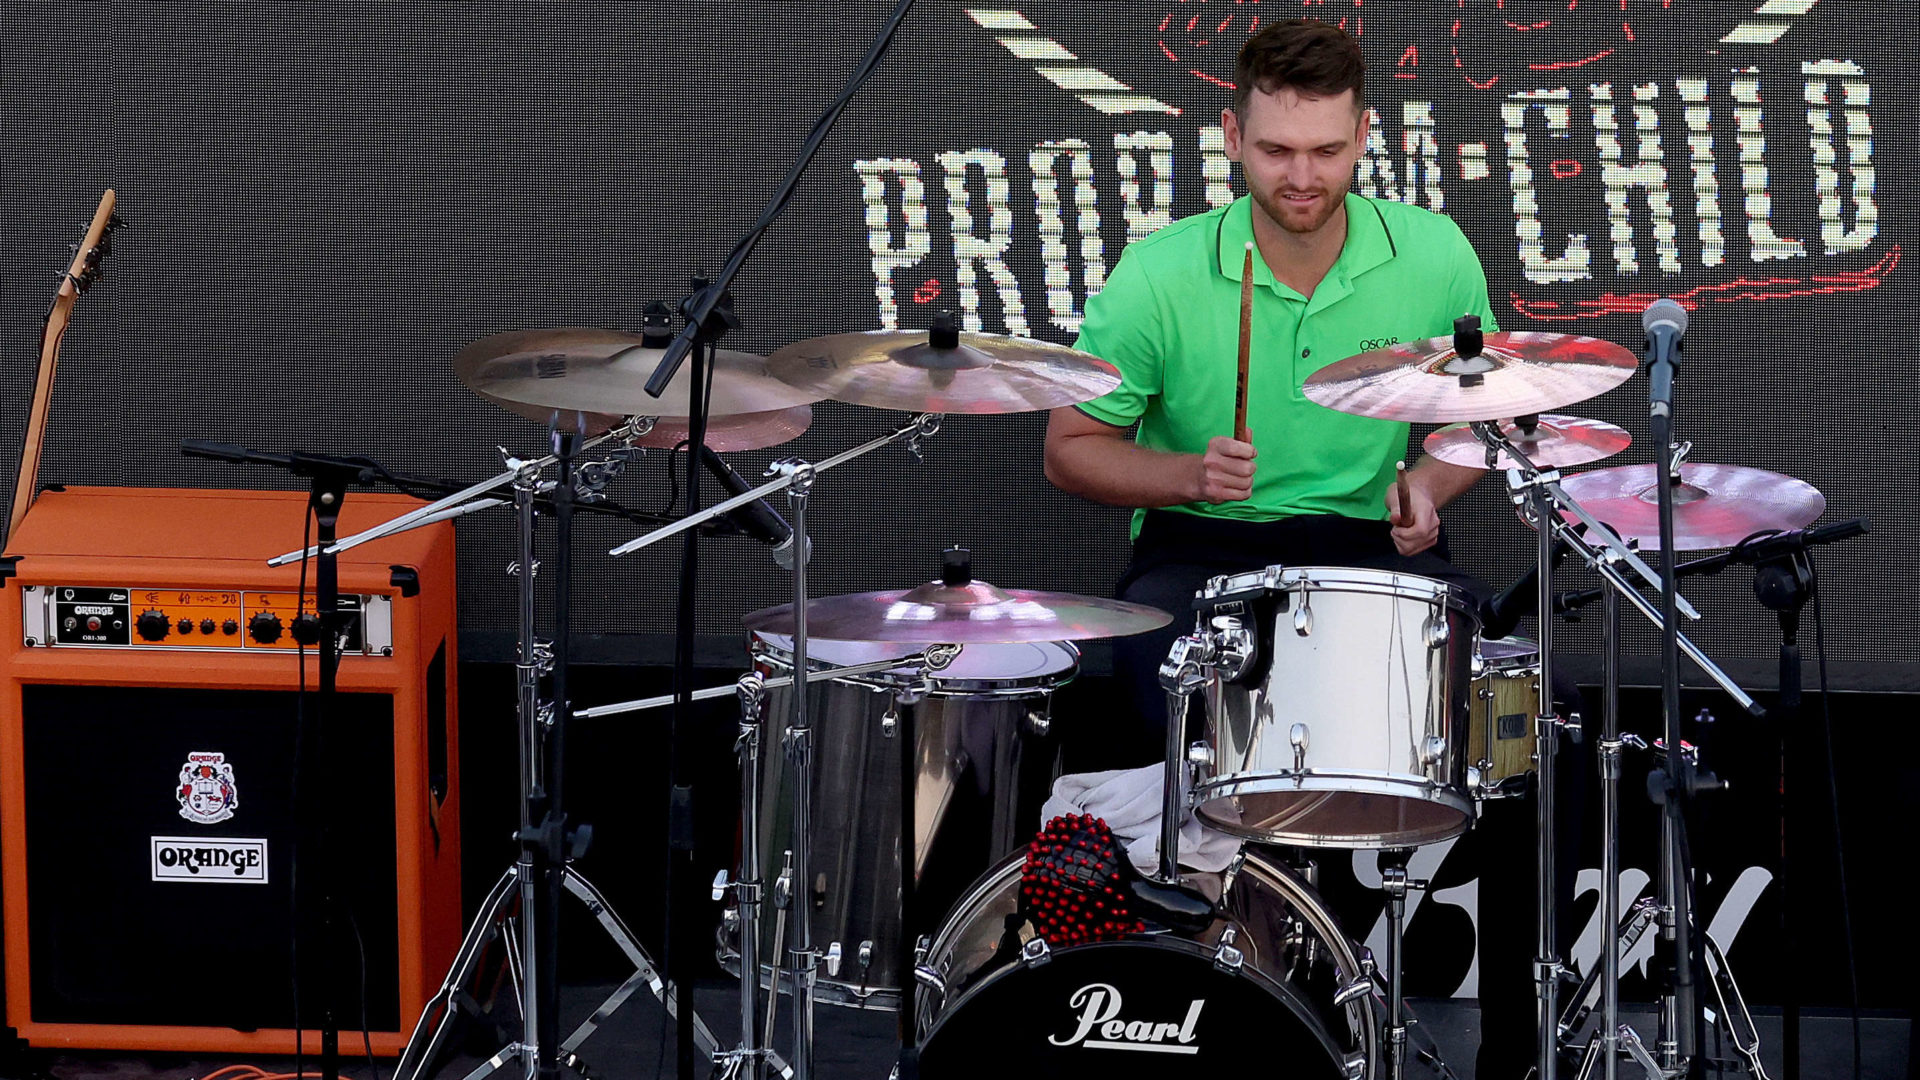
pixel 86 265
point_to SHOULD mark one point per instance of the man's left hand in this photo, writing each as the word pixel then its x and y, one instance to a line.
pixel 1424 530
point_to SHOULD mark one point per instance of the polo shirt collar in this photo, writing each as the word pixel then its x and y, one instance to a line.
pixel 1368 244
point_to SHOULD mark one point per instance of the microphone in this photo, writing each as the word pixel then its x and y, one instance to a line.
pixel 756 519
pixel 1665 322
pixel 1501 614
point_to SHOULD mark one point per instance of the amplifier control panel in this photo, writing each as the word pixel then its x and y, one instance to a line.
pixel 196 620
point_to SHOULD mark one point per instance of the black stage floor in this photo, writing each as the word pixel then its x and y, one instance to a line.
pixel 857 1045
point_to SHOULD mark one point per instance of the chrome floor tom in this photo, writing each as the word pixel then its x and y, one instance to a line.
pixel 1348 726
pixel 986 760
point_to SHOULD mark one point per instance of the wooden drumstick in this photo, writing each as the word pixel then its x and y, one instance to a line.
pixel 1405 517
pixel 1246 348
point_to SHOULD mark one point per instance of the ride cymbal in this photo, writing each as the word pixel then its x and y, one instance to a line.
pixel 1714 506
pixel 604 372
pixel 1556 442
pixel 1517 373
pixel 943 371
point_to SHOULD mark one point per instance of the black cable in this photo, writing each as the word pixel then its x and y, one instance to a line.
pixel 1833 793
pixel 299 738
pixel 366 1037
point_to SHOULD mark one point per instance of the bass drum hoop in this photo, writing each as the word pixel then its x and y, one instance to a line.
pixel 1363 1012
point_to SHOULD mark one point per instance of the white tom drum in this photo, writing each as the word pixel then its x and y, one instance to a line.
pixel 1349 727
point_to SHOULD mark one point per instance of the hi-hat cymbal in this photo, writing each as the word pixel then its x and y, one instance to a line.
pixel 977 373
pixel 1555 442
pixel 1714 506
pixel 1518 373
pixel 604 372
pixel 974 613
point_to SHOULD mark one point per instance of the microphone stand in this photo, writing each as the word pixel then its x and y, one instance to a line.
pixel 328 481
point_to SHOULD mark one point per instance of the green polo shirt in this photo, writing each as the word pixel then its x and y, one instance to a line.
pixel 1169 319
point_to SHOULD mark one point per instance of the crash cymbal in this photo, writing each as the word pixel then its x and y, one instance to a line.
pixel 1555 442
pixel 741 431
pixel 973 613
pixel 1518 373
pixel 970 373
pixel 604 372
pixel 1714 506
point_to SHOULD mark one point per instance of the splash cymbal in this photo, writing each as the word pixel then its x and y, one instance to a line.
pixel 1555 442
pixel 604 373
pixel 922 371
pixel 1517 373
pixel 1714 506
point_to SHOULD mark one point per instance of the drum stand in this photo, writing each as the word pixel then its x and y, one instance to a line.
pixel 796 478
pixel 547 844
pixel 1603 551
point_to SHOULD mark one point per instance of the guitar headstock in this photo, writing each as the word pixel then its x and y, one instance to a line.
pixel 91 253
pixel 90 263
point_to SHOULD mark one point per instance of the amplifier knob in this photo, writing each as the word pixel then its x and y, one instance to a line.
pixel 264 628
pixel 206 626
pixel 152 625
pixel 185 627
pixel 229 628
pixel 306 628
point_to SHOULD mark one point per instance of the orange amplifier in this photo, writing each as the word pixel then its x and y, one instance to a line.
pixel 147 730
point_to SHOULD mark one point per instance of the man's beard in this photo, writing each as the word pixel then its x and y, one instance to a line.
pixel 1288 217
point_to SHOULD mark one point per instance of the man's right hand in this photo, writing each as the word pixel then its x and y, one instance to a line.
pixel 1226 471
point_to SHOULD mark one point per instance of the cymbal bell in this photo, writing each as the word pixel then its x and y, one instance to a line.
pixel 1555 442
pixel 950 372
pixel 1518 373
pixel 603 373
pixel 973 613
pixel 1714 506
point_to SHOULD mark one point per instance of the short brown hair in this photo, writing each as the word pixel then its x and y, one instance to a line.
pixel 1312 57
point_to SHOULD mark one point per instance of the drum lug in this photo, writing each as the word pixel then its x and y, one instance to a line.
pixel 1200 754
pixel 1298 735
pixel 1228 958
pixel 1303 617
pixel 1354 990
pixel 890 723
pixel 1433 751
pixel 1438 633
pixel 864 957
pixel 1038 724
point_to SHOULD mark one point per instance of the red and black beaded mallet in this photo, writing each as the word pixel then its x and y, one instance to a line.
pixel 1074 886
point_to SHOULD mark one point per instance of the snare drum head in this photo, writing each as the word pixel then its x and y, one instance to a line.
pixel 1032 663
pixel 1510 652
pixel 1133 1007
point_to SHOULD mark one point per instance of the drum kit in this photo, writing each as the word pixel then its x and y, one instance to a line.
pixel 1340 709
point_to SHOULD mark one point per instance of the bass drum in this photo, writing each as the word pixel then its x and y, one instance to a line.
pixel 1273 986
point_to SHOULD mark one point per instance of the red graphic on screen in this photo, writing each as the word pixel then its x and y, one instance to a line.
pixel 1485 40
pixel 927 292
pixel 1777 287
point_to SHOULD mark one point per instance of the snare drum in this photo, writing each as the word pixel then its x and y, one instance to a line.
pixel 1506 702
pixel 986 762
pixel 1349 728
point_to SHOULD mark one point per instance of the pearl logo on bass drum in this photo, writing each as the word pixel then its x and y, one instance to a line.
pixel 1099 1008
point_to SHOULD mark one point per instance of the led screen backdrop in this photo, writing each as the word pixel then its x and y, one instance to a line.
pixel 327 202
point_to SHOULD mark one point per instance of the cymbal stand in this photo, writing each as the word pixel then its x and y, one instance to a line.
pixel 1604 552
pixel 543 870
pixel 796 478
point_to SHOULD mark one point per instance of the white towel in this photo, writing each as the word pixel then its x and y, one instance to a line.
pixel 1130 800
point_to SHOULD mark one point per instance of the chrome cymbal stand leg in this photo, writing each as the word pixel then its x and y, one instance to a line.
pixel 744 1061
pixel 1393 878
pixel 1610 841
pixel 800 758
pixel 1548 969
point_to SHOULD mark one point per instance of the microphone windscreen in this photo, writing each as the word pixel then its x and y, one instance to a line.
pixel 1664 310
